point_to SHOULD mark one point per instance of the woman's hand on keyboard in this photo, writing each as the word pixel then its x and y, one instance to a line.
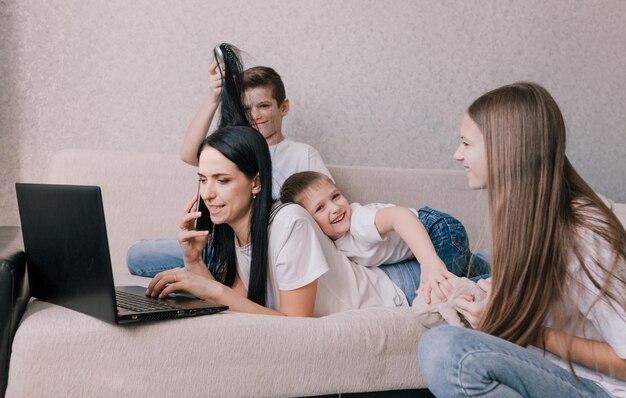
pixel 178 279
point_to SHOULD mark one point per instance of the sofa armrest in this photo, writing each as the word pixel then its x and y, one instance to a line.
pixel 14 295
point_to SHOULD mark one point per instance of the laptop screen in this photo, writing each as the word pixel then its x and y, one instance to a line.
pixel 66 247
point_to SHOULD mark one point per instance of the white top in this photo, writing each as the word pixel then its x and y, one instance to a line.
pixel 604 322
pixel 365 246
pixel 299 253
pixel 289 157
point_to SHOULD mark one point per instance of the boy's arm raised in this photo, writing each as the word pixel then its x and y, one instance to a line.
pixel 199 126
pixel 406 224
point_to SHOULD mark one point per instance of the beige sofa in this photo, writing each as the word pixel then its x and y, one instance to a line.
pixel 59 352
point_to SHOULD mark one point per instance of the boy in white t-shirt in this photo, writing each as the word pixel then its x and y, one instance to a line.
pixel 373 234
pixel 266 105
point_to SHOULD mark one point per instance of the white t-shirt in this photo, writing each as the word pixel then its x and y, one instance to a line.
pixel 289 157
pixel 299 253
pixel 604 322
pixel 365 246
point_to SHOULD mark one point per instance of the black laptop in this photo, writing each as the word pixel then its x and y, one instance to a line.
pixel 69 264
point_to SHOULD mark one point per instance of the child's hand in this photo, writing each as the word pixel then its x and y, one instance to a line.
pixel 434 274
pixel 215 82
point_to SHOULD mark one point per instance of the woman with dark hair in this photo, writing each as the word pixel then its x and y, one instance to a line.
pixel 558 260
pixel 248 270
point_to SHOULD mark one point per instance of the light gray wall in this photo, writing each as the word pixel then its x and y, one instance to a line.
pixel 378 83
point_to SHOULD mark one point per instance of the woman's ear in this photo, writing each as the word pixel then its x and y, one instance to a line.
pixel 256 184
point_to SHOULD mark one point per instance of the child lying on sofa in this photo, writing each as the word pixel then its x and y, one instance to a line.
pixel 376 233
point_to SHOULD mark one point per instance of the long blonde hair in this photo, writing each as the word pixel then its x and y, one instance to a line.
pixel 538 204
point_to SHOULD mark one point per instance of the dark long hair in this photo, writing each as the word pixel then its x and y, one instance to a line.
pixel 232 110
pixel 245 147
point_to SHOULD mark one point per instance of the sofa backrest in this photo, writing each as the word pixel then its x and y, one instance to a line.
pixel 444 190
pixel 144 194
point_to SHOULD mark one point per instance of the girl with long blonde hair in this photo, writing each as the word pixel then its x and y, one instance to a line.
pixel 554 324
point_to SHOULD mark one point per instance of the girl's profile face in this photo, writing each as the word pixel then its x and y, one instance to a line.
pixel 471 153
pixel 226 190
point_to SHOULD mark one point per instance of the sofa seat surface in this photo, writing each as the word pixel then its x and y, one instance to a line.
pixel 60 352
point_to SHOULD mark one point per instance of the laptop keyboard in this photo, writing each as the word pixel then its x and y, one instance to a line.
pixel 139 303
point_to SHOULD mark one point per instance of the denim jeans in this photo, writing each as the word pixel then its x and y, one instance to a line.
pixel 149 257
pixel 459 362
pixel 480 265
pixel 452 246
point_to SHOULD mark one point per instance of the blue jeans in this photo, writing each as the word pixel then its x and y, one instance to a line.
pixel 459 362
pixel 149 257
pixel 452 246
pixel 480 265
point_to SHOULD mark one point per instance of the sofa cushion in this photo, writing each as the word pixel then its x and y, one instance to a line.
pixel 227 354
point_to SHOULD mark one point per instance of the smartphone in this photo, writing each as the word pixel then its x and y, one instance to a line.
pixel 203 223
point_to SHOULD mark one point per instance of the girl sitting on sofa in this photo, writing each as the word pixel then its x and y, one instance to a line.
pixel 558 258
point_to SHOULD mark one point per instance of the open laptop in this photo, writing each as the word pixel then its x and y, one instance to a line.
pixel 68 260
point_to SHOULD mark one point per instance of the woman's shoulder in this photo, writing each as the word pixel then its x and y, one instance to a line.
pixel 288 213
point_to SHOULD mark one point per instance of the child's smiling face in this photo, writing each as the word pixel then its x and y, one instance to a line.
pixel 329 208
